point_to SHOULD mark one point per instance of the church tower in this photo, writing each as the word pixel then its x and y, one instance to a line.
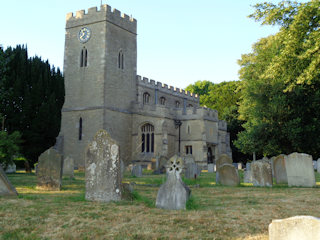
pixel 100 64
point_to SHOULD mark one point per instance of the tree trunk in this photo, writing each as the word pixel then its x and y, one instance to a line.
pixel 27 166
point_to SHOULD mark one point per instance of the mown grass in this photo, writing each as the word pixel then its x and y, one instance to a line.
pixel 213 211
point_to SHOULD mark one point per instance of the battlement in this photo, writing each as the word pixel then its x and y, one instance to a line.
pixel 190 113
pixel 222 125
pixel 165 88
pixel 106 13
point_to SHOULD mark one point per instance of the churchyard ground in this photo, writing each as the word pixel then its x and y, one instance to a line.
pixel 214 212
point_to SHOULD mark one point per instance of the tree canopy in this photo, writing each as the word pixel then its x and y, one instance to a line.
pixel 31 98
pixel 281 82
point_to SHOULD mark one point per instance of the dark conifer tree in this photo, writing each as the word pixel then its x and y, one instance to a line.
pixel 31 98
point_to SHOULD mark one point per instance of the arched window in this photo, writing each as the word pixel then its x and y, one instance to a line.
pixel 163 101
pixel 120 60
pixel 177 104
pixel 84 57
pixel 209 156
pixel 146 98
pixel 80 129
pixel 147 138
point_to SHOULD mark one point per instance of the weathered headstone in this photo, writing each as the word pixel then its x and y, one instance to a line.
pixel 11 168
pixel 49 170
pixel 68 167
pixel 210 168
pixel 103 171
pixel 173 194
pixel 6 188
pixel 314 163
pixel 299 169
pixel 136 170
pixel 318 165
pixel 279 166
pixel 191 168
pixel 261 173
pixel 162 164
pixel 248 168
pixel 223 159
pixel 295 228
pixel 247 178
pixel 228 175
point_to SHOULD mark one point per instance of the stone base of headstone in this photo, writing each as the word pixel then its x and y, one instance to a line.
pixel 295 228
pixel 173 194
pixel 136 170
pixel 49 170
pixel 6 188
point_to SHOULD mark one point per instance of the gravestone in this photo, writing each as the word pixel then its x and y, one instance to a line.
pixel 279 166
pixel 173 194
pixel 248 168
pixel 228 175
pixel 299 169
pixel 103 170
pixel 314 163
pixel 295 228
pixel 191 168
pixel 261 173
pixel 318 165
pixel 223 159
pixel 11 168
pixel 136 170
pixel 247 178
pixel 211 168
pixel 68 167
pixel 6 188
pixel 162 164
pixel 49 170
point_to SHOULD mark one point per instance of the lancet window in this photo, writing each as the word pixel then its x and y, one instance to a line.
pixel 147 138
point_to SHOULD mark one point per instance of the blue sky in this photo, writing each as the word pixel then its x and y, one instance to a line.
pixel 179 41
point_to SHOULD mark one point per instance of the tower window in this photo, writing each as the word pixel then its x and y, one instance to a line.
pixel 84 57
pixel 189 150
pixel 146 98
pixel 190 105
pixel 120 60
pixel 80 129
pixel 163 101
pixel 147 138
pixel 177 104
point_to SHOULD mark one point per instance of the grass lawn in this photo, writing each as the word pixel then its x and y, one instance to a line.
pixel 214 212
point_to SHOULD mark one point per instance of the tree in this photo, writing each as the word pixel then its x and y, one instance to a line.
pixel 281 82
pixel 31 98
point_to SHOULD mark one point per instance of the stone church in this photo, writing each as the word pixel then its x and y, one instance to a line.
pixel 103 91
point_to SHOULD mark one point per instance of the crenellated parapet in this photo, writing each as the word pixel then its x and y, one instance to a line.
pixel 149 83
pixel 222 125
pixel 106 13
pixel 192 113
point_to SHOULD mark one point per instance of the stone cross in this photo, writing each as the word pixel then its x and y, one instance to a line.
pixel 173 194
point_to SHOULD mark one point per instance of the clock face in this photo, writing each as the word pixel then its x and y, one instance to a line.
pixel 84 34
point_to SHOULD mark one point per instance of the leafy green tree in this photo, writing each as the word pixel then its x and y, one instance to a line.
pixel 281 82
pixel 9 147
pixel 31 98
